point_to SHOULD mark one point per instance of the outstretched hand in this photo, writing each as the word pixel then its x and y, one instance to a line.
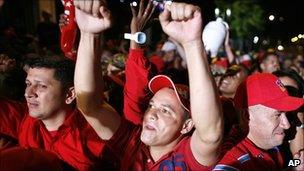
pixel 90 24
pixel 182 22
pixel 142 16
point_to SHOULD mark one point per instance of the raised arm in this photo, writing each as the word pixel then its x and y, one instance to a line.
pixel 183 22
pixel 138 68
pixel 88 74
pixel 228 49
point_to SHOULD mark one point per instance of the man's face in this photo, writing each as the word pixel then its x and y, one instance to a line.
pixel 270 64
pixel 163 119
pixel 289 82
pixel 267 126
pixel 43 93
pixel 229 84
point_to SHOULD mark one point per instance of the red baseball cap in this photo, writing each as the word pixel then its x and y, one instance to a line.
pixel 182 91
pixel 268 90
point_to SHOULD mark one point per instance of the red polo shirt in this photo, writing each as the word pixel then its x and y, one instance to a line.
pixel 136 156
pixel 75 141
pixel 246 156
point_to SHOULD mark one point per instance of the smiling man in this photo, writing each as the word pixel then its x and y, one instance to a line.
pixel 264 102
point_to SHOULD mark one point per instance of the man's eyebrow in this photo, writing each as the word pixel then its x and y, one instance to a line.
pixel 38 81
pixel 168 106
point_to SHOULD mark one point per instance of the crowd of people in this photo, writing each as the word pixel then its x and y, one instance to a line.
pixel 121 105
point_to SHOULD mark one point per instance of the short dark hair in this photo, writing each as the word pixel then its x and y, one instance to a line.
pixel 64 68
pixel 269 54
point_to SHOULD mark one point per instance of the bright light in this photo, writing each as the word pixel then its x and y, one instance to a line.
pixel 294 39
pixel 280 47
pixel 265 42
pixel 271 17
pixel 217 11
pixel 255 39
pixel 228 12
pixel 301 36
pixel 134 3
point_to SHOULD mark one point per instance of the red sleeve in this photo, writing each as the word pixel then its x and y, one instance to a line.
pixel 136 94
pixel 11 115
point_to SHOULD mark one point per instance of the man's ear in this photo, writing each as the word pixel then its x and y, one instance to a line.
pixel 188 126
pixel 70 95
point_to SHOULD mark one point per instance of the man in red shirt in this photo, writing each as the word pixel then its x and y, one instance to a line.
pixel 164 141
pixel 266 100
pixel 50 120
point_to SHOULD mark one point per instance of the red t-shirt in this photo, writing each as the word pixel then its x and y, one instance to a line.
pixel 75 141
pixel 136 155
pixel 246 156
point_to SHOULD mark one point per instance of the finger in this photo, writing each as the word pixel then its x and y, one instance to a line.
pixel 81 4
pixel 133 10
pixel 141 8
pixel 95 8
pixel 63 17
pixel 148 8
pixel 152 11
pixel 180 12
pixel 76 3
pixel 148 13
pixel 165 16
pixel 174 11
pixel 197 12
pixel 88 6
pixel 188 12
pixel 105 13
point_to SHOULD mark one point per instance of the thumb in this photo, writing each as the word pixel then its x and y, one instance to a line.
pixel 105 13
pixel 164 17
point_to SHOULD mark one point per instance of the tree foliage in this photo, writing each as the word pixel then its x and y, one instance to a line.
pixel 246 18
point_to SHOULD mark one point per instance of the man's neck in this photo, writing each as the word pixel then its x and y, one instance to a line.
pixel 158 151
pixel 256 142
pixel 56 120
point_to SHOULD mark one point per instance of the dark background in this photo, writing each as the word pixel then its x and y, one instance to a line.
pixel 24 16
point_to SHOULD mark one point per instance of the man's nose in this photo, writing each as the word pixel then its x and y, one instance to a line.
pixel 30 92
pixel 284 121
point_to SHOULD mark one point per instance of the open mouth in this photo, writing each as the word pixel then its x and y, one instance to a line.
pixel 32 105
pixel 150 127
pixel 280 134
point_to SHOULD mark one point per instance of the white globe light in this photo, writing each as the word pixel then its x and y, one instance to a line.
pixel 280 47
pixel 228 12
pixel 255 39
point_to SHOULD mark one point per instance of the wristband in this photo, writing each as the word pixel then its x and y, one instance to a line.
pixel 138 37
